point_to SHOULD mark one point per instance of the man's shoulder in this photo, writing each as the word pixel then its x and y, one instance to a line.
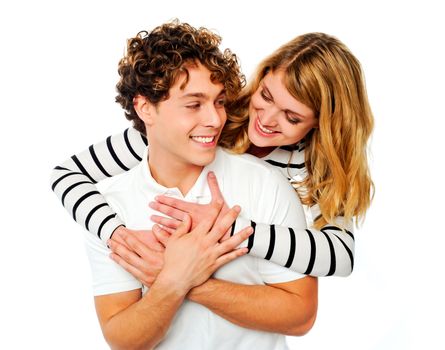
pixel 245 170
pixel 119 184
pixel 266 194
pixel 246 162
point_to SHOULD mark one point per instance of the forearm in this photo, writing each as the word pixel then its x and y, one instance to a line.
pixel 325 252
pixel 259 307
pixel 74 180
pixel 144 324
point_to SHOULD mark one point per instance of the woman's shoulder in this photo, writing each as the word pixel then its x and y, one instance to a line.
pixel 289 160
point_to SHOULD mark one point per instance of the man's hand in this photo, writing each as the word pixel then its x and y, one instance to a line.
pixel 190 258
pixel 138 252
pixel 176 209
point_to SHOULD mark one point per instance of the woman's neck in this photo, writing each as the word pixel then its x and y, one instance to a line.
pixel 259 152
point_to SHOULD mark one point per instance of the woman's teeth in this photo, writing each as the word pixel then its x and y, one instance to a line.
pixel 263 129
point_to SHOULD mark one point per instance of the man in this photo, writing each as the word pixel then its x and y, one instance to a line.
pixel 174 82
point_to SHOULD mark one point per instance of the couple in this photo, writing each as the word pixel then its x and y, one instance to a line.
pixel 204 291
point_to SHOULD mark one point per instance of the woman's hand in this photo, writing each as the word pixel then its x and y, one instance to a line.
pixel 147 237
pixel 139 252
pixel 177 209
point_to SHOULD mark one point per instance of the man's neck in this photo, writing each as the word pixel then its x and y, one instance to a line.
pixel 173 173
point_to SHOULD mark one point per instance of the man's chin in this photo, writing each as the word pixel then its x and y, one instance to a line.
pixel 204 160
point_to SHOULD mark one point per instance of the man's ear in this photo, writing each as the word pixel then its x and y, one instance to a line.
pixel 144 109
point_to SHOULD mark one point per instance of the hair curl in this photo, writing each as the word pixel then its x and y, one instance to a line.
pixel 322 73
pixel 154 60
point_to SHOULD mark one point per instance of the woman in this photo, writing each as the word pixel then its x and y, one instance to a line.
pixel 307 113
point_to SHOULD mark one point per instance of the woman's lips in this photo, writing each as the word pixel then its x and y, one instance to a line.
pixel 263 130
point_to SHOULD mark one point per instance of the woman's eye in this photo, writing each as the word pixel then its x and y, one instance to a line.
pixel 265 97
pixel 293 120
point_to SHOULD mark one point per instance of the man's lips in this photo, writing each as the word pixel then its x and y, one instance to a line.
pixel 203 139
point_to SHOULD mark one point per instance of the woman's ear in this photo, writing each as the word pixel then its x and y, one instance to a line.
pixel 144 109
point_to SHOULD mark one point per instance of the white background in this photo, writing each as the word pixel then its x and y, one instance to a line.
pixel 58 72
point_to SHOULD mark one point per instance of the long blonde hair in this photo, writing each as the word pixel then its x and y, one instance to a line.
pixel 322 73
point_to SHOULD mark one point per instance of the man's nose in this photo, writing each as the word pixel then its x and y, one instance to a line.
pixel 212 117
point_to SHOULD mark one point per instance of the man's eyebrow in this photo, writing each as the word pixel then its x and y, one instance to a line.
pixel 201 95
pixel 286 110
pixel 195 94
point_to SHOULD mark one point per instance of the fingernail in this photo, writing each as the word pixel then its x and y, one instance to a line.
pixel 211 174
pixel 237 208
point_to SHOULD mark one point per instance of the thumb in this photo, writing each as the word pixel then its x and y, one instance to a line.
pixel 214 188
pixel 162 238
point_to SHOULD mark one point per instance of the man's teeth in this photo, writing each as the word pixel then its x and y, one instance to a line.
pixel 202 139
pixel 263 129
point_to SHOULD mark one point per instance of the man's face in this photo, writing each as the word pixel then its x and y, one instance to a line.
pixel 185 128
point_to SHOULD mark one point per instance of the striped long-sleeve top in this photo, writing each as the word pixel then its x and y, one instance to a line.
pixel 325 252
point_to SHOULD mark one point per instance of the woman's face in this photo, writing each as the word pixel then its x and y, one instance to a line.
pixel 276 118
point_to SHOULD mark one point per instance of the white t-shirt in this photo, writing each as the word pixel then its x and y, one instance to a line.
pixel 264 196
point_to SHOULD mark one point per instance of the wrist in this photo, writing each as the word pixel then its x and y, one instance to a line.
pixel 238 225
pixel 118 230
pixel 195 294
pixel 172 285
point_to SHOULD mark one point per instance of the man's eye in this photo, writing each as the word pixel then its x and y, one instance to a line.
pixel 221 102
pixel 194 105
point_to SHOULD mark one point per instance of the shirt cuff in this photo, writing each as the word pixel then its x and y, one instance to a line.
pixel 109 227
pixel 239 224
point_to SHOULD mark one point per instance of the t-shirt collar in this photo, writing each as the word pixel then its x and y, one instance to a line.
pixel 199 193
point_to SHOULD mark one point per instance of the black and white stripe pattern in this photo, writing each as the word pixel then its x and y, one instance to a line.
pixel 74 181
pixel 328 252
pixel 325 252
pixel 289 160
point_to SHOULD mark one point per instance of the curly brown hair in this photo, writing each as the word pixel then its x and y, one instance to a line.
pixel 155 59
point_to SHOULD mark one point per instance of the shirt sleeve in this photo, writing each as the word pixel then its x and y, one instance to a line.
pixel 74 181
pixel 325 252
pixel 108 277
pixel 283 208
pixel 273 273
